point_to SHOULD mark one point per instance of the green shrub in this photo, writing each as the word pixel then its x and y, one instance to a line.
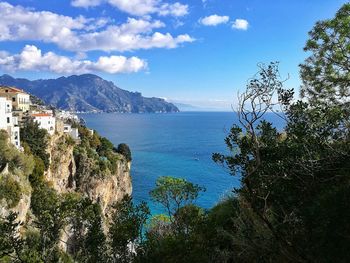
pixel 37 140
pixel 10 190
pixel 15 159
pixel 124 150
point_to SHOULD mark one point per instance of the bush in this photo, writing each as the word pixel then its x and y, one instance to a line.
pixel 125 151
pixel 10 190
pixel 15 159
pixel 37 140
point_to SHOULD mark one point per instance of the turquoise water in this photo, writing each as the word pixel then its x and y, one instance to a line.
pixel 179 145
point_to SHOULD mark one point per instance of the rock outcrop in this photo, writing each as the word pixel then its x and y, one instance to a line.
pixel 63 176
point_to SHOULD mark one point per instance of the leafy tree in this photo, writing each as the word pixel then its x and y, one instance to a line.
pixel 326 72
pixel 10 242
pixel 173 193
pixel 10 190
pixel 126 229
pixel 105 146
pixel 15 159
pixel 175 237
pixel 285 175
pixel 36 139
pixel 37 176
pixel 124 150
pixel 95 240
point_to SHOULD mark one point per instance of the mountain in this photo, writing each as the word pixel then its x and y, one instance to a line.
pixel 88 93
pixel 186 107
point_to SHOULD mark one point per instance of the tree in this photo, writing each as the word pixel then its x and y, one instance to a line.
pixel 173 193
pixel 49 219
pixel 95 240
pixel 126 229
pixel 326 72
pixel 15 159
pixel 37 140
pixel 124 150
pixel 287 174
pixel 10 241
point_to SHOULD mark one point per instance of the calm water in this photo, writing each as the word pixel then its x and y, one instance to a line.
pixel 179 145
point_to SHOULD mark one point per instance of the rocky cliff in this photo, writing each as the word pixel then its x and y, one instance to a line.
pixel 90 168
pixel 64 177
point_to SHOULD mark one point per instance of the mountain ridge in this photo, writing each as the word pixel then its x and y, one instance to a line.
pixel 89 93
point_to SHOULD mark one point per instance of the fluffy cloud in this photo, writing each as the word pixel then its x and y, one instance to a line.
pixel 81 34
pixel 214 20
pixel 139 7
pixel 240 24
pixel 32 59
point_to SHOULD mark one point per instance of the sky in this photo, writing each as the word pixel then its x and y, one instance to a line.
pixel 197 52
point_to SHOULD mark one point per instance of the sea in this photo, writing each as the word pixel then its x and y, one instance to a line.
pixel 172 144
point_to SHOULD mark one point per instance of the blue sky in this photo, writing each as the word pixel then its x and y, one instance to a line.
pixel 197 52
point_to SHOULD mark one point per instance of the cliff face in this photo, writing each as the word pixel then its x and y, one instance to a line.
pixel 109 190
pixel 64 176
pixel 15 189
pixel 75 167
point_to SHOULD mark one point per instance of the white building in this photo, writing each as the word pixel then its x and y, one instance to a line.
pixel 19 98
pixel 46 121
pixel 8 122
pixel 73 132
pixel 66 115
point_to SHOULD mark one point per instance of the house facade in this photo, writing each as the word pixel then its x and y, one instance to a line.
pixel 46 121
pixel 20 99
pixel 8 122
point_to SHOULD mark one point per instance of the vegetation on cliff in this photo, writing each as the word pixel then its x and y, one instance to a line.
pixel 53 214
pixel 292 205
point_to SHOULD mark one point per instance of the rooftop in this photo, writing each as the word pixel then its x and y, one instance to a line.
pixel 12 89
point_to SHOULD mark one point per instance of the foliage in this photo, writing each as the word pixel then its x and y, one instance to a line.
pixel 286 176
pixel 173 193
pixel 325 73
pixel 37 176
pixel 37 140
pixel 95 240
pixel 46 205
pixel 292 205
pixel 95 155
pixel 175 237
pixel 10 190
pixel 10 243
pixel 124 150
pixel 126 229
pixel 15 159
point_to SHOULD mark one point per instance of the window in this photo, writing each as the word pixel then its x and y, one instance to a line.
pixel 13 99
pixel 8 119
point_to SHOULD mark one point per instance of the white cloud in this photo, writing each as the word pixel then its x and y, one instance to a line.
pixel 19 23
pixel 81 34
pixel 134 34
pixel 139 7
pixel 86 3
pixel 32 59
pixel 240 24
pixel 214 20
